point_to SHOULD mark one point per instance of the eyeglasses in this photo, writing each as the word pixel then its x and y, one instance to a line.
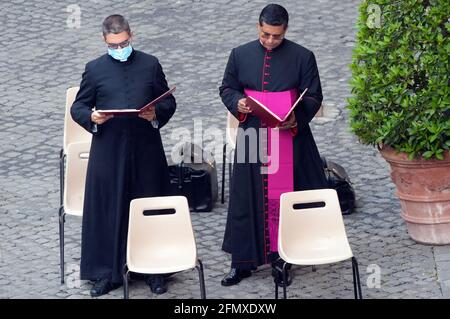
pixel 266 35
pixel 123 44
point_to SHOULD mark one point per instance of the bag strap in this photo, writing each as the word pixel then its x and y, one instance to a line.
pixel 334 171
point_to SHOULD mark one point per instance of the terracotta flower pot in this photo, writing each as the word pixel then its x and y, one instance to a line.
pixel 423 187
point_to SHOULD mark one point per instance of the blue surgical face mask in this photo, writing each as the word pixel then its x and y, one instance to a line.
pixel 121 54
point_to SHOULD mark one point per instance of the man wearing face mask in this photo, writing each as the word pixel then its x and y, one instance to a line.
pixel 127 158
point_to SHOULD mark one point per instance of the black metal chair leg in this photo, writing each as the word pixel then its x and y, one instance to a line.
pixel 201 278
pixel 354 280
pixel 358 279
pixel 61 214
pixel 125 282
pixel 61 176
pixel 223 171
pixel 61 241
pixel 276 289
pixel 284 280
pixel 230 173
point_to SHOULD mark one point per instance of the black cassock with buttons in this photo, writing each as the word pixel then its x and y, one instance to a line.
pixel 127 158
pixel 251 66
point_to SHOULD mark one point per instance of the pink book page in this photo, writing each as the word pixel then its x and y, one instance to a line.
pixel 273 107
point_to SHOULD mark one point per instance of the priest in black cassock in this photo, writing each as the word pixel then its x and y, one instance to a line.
pixel 127 158
pixel 269 68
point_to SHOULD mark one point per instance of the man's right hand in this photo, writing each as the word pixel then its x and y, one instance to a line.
pixel 242 106
pixel 98 118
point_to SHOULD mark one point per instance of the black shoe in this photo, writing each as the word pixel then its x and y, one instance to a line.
pixel 102 287
pixel 278 277
pixel 235 276
pixel 157 284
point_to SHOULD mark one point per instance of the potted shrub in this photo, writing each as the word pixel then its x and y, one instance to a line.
pixel 400 102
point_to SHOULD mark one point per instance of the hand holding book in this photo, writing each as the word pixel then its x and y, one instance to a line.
pixel 99 118
pixel 291 122
pixel 242 106
pixel 148 106
pixel 149 114
pixel 271 118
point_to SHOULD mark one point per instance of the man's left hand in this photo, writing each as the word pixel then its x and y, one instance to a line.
pixel 291 122
pixel 149 115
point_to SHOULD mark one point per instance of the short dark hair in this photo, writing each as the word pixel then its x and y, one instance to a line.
pixel 274 14
pixel 115 24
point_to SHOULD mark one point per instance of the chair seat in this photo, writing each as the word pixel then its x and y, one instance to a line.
pixel 75 177
pixel 317 252
pixel 157 261
pixel 73 205
pixel 161 243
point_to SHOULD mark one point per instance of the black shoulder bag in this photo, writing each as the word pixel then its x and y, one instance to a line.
pixel 339 180
pixel 196 181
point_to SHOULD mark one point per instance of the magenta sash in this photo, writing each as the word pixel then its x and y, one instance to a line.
pixel 279 180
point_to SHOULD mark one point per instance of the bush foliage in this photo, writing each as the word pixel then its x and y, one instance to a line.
pixel 400 83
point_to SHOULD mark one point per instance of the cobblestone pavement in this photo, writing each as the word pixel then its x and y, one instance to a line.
pixel 44 53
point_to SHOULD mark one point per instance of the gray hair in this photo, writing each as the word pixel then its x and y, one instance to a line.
pixel 115 24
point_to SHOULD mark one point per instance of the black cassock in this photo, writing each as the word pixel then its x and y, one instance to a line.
pixel 251 66
pixel 126 159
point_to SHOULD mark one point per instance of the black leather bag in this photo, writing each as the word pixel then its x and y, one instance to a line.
pixel 196 181
pixel 338 179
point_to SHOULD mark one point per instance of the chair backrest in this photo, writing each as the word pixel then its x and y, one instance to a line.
pixel 231 131
pixel 160 243
pixel 73 132
pixel 75 177
pixel 311 227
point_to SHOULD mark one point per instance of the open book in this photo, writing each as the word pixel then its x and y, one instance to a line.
pixel 142 109
pixel 266 115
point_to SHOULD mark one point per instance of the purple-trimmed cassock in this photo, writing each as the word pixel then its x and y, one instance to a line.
pixel 275 77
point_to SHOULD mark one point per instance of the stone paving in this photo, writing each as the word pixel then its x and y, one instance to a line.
pixel 45 48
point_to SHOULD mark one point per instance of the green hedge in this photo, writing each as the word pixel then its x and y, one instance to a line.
pixel 400 83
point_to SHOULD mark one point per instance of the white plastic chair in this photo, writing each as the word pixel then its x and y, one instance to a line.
pixel 74 184
pixel 231 133
pixel 161 239
pixel 313 234
pixel 73 133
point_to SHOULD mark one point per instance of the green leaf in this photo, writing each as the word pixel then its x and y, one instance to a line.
pixel 427 154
